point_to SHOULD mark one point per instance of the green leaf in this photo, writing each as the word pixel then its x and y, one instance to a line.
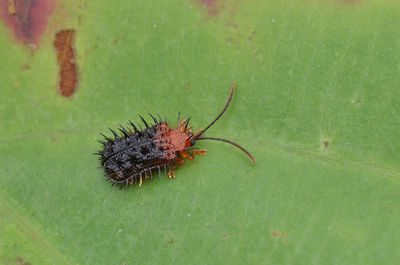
pixel 317 103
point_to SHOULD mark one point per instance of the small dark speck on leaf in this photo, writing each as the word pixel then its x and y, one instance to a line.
pixel 225 235
pixel 187 85
pixel 25 67
pixel 170 240
pixel 326 144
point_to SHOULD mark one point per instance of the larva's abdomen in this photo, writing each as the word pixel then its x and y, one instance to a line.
pixel 128 157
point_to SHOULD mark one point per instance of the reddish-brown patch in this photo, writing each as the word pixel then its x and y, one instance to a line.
pixel 68 70
pixel 170 240
pixel 27 19
pixel 211 6
pixel 225 235
pixel 350 2
pixel 277 234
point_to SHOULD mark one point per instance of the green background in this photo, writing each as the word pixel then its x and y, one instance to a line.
pixel 317 104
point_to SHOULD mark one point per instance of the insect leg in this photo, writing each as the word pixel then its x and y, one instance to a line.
pixel 159 172
pixel 171 174
pixel 151 174
pixel 141 180
pixel 201 152
pixel 147 174
pixel 178 162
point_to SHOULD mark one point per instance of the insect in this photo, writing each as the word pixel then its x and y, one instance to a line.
pixel 133 156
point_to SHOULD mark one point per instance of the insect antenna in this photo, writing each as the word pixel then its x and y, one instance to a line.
pixel 219 115
pixel 230 142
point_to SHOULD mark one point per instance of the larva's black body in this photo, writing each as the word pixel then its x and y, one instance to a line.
pixel 132 156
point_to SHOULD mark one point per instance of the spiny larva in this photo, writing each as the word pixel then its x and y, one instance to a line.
pixel 133 156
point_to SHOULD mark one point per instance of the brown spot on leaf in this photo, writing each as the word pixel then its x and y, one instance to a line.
pixel 211 6
pixel 170 240
pixel 252 35
pixel 277 234
pixel 64 44
pixel 326 144
pixel 25 67
pixel 20 260
pixel 27 19
pixel 225 235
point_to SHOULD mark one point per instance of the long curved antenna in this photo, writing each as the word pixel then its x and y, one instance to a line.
pixel 219 115
pixel 230 142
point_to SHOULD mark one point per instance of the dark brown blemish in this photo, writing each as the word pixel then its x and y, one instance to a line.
pixel 27 19
pixel 170 240
pixel 326 144
pixel 251 35
pixel 68 79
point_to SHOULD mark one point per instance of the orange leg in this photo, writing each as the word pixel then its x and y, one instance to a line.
pixel 178 162
pixel 196 152
pixel 199 152
pixel 171 174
